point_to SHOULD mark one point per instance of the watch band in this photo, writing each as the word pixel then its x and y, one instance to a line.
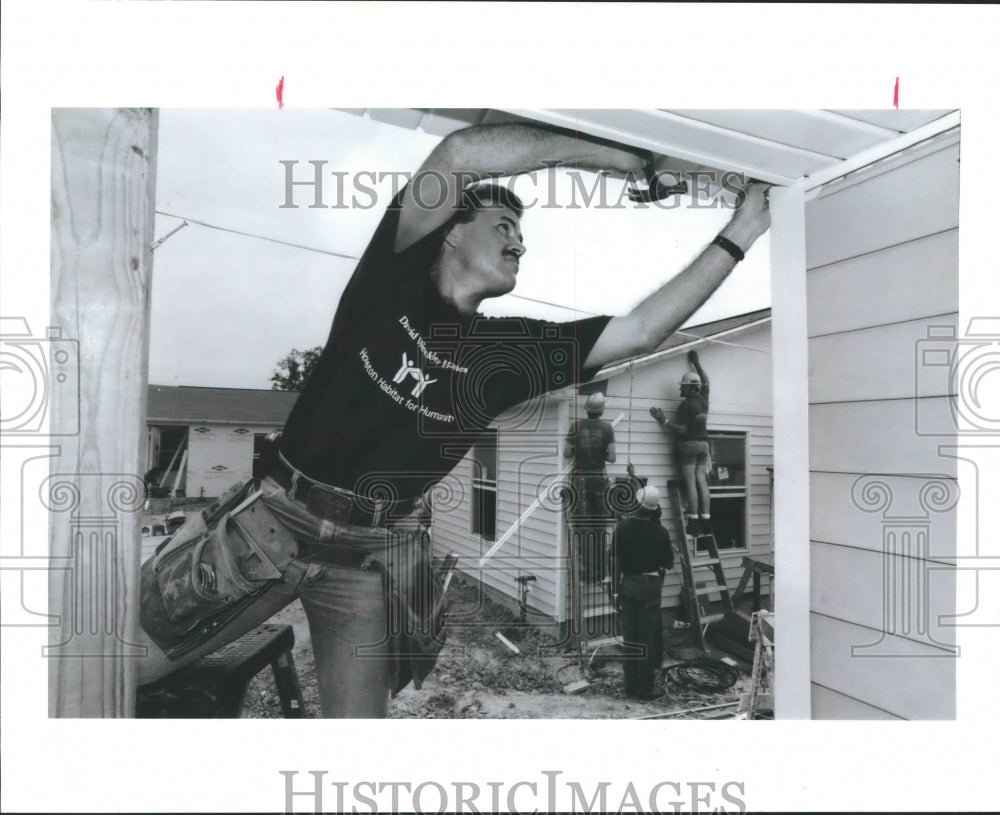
pixel 730 247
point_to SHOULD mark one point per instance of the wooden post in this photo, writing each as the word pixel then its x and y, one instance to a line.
pixel 103 186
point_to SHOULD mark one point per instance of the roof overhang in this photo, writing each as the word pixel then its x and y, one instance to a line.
pixel 778 146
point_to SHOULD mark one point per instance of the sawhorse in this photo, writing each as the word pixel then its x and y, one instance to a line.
pixel 215 686
pixel 753 568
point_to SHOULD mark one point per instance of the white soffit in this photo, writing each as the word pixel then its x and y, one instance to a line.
pixel 779 146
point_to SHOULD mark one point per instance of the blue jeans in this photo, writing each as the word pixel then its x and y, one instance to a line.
pixel 347 611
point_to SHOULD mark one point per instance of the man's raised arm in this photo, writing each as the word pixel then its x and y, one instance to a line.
pixel 474 153
pixel 642 330
pixel 696 364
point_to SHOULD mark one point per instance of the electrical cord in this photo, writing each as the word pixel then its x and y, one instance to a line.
pixel 704 675
pixel 683 652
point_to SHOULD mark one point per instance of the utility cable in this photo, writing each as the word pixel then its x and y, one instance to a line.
pixel 355 257
pixel 258 237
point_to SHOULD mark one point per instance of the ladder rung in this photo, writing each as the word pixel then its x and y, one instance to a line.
pixel 707 562
pixel 711 618
pixel 710 590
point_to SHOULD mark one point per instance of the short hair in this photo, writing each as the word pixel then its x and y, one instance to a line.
pixel 479 197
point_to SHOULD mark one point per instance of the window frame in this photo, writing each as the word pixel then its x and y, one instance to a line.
pixel 480 485
pixel 744 491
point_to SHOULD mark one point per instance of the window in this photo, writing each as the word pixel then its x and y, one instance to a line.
pixel 484 487
pixel 258 445
pixel 173 440
pixel 727 482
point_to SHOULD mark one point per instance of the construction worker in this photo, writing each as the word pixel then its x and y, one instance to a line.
pixel 691 427
pixel 590 443
pixel 410 378
pixel 642 555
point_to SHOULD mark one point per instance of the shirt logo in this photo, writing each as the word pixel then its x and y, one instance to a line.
pixel 409 369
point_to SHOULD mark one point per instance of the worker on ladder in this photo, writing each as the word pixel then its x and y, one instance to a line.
pixel 691 427
pixel 590 443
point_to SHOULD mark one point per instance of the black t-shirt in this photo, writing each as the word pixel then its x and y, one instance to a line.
pixel 590 439
pixel 641 544
pixel 406 384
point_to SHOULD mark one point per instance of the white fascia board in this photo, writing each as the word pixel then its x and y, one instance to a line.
pixel 879 152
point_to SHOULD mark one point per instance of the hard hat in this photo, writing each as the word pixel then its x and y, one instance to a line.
pixel 594 403
pixel 691 378
pixel 648 497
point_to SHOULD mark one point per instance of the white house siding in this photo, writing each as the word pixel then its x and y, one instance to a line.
pixel 528 461
pixel 882 259
pixel 528 464
pixel 740 401
pixel 219 455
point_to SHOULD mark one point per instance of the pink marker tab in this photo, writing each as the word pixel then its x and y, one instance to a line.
pixel 279 91
pixel 895 95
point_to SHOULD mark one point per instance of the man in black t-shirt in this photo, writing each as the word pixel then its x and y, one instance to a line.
pixel 641 554
pixel 410 378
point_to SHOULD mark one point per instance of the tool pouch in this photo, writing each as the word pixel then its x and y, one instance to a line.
pixel 417 607
pixel 211 569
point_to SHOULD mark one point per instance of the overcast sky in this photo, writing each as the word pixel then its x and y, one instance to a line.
pixel 227 307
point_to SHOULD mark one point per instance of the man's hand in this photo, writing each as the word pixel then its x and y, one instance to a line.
pixel 664 311
pixel 693 357
pixel 658 414
pixel 752 219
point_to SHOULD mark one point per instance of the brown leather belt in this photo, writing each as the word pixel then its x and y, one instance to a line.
pixel 335 503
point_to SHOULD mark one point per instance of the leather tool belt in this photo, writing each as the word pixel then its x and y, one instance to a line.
pixel 212 568
pixel 336 504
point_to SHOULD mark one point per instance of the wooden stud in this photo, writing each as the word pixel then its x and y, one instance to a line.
pixel 103 182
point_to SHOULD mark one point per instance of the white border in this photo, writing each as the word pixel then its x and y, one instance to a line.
pixel 537 55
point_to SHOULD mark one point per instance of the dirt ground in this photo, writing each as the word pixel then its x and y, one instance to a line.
pixel 479 677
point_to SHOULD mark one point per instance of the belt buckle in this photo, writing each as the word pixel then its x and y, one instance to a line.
pixel 331 505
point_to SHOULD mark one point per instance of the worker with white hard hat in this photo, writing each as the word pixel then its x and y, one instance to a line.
pixel 691 427
pixel 642 554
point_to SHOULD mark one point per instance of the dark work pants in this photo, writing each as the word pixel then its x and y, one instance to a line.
pixel 589 523
pixel 642 632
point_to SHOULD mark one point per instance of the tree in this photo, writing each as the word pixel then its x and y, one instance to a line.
pixel 293 371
